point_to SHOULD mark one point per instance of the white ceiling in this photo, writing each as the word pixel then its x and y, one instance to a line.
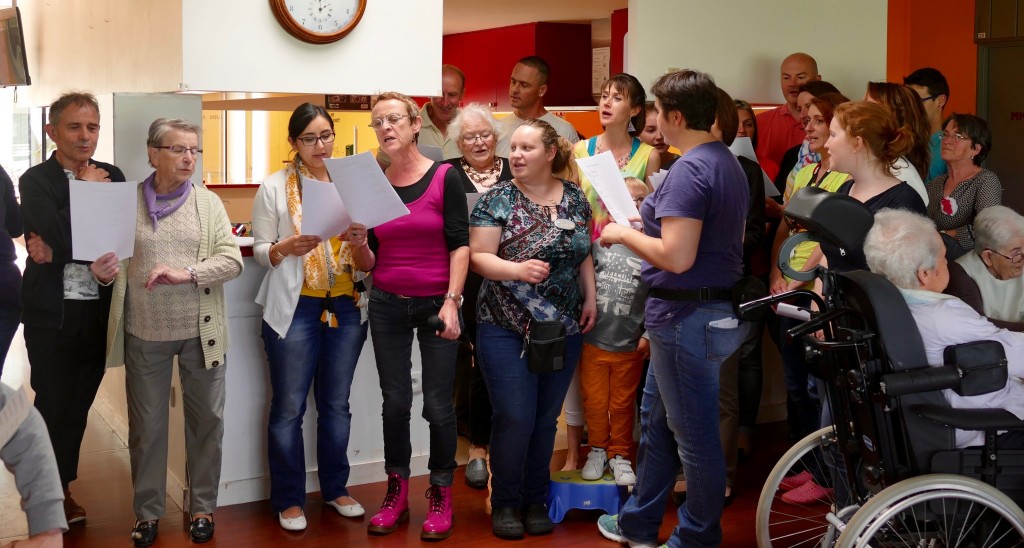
pixel 470 15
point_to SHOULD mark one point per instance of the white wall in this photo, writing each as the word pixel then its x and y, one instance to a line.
pixel 237 45
pixel 742 42
pixel 113 46
pixel 104 46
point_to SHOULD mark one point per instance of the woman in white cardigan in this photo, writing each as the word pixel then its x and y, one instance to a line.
pixel 312 327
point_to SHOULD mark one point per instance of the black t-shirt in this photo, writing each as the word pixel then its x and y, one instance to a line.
pixel 901 196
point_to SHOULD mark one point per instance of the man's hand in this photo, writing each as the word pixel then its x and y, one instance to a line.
pixel 38 250
pixel 165 275
pixel 90 172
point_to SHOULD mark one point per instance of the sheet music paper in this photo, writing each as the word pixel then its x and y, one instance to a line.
pixel 366 192
pixel 103 218
pixel 603 174
pixel 323 212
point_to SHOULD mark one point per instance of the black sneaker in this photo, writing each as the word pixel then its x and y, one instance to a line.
pixel 505 523
pixel 536 520
pixel 144 533
pixel 201 530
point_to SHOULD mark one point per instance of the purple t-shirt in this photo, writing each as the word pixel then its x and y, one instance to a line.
pixel 708 184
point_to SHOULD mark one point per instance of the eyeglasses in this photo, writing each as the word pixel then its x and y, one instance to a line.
pixel 958 136
pixel 391 119
pixel 326 138
pixel 1016 258
pixel 483 137
pixel 929 98
pixel 639 200
pixel 179 150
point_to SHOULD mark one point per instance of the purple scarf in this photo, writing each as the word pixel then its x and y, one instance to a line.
pixel 149 193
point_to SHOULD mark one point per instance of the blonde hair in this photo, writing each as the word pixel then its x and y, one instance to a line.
pixel 636 185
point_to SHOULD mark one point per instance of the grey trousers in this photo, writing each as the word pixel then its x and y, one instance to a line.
pixel 148 367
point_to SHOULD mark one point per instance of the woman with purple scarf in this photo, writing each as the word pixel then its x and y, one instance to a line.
pixel 168 301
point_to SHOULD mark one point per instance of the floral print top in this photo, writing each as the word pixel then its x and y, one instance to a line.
pixel 527 232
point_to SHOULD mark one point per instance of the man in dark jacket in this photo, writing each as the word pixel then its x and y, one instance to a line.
pixel 65 308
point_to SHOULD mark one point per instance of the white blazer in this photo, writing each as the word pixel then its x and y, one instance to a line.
pixel 271 222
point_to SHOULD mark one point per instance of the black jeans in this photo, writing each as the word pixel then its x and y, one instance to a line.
pixel 67 367
pixel 393 319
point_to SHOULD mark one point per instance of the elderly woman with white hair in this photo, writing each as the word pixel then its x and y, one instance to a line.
pixel 989 276
pixel 919 270
pixel 476 135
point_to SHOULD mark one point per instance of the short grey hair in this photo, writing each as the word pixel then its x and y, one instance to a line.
pixel 162 126
pixel 900 244
pixel 995 226
pixel 472 111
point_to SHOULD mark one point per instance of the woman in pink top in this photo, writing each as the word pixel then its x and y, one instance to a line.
pixel 421 264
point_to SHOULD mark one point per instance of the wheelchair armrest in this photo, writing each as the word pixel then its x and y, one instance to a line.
pixel 969 419
pixel 925 379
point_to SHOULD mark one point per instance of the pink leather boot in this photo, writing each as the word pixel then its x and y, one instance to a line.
pixel 438 524
pixel 394 509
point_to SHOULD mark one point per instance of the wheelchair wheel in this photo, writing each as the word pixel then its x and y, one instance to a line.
pixel 781 523
pixel 936 510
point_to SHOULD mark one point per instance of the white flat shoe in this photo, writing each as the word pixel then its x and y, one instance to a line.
pixel 292 524
pixel 353 510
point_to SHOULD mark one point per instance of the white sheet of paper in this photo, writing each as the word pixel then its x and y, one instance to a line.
pixel 103 217
pixel 432 152
pixel 606 179
pixel 323 212
pixel 744 147
pixel 368 196
pixel 657 177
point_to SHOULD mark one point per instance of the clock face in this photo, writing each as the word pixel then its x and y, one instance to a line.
pixel 318 21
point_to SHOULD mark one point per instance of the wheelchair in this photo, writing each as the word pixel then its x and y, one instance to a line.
pixel 888 461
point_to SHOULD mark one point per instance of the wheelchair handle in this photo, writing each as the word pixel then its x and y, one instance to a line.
pixel 772 299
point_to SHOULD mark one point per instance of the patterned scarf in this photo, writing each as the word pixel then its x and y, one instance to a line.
pixel 314 263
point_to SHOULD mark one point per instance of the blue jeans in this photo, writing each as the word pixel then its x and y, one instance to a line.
pixel 392 322
pixel 802 405
pixel 526 408
pixel 679 423
pixel 311 353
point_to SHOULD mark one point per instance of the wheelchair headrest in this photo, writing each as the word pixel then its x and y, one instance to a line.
pixel 836 218
pixel 878 298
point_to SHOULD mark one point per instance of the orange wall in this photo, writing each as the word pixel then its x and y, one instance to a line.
pixel 939 34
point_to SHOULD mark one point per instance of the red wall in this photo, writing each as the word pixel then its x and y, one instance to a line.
pixel 620 26
pixel 487 57
pixel 939 34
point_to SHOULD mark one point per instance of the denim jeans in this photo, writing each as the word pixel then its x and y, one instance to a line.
pixel 679 423
pixel 802 405
pixel 392 321
pixel 311 354
pixel 526 408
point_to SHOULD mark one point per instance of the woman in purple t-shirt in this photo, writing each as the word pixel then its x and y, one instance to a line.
pixel 689 315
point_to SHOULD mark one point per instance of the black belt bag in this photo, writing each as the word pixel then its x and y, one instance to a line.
pixel 749 288
pixel 544 346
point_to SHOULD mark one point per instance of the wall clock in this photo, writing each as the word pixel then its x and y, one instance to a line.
pixel 318 21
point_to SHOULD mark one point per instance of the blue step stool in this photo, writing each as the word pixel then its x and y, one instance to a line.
pixel 568 490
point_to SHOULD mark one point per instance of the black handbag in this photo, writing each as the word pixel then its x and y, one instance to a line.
pixel 544 346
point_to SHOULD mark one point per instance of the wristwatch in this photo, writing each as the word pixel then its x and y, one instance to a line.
pixel 457 298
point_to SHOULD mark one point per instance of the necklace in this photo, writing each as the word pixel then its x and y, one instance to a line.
pixel 485 178
pixel 549 207
pixel 621 162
